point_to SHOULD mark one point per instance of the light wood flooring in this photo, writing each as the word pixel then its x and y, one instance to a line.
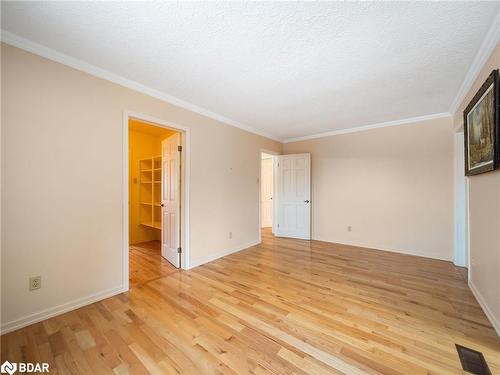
pixel 283 307
pixel 146 263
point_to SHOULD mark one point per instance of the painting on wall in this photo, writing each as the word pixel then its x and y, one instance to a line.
pixel 481 129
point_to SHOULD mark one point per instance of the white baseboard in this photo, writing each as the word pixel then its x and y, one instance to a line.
pixel 57 310
pixel 489 314
pixel 220 254
pixel 376 247
pixel 65 307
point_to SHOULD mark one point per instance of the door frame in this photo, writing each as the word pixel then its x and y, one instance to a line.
pixel 273 153
pixel 461 246
pixel 184 188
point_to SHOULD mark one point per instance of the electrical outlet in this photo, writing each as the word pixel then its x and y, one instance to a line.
pixel 35 282
pixel 230 235
pixel 349 228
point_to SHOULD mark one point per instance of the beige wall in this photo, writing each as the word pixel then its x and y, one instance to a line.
pixel 62 183
pixel 62 187
pixel 393 186
pixel 484 219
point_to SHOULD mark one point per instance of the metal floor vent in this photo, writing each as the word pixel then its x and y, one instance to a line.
pixel 472 361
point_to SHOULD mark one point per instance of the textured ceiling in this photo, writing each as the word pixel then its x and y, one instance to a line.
pixel 286 69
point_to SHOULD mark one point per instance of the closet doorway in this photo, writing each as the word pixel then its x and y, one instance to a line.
pixel 155 170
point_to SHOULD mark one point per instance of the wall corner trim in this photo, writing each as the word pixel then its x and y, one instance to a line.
pixel 51 54
pixel 58 310
pixel 487 46
pixel 198 262
pixel 489 314
pixel 379 125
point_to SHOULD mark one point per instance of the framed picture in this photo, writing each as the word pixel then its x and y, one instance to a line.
pixel 481 129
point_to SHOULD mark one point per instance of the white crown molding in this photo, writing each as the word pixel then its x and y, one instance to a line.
pixel 51 54
pixel 489 43
pixel 369 127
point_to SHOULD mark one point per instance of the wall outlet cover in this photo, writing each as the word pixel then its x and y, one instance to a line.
pixel 35 282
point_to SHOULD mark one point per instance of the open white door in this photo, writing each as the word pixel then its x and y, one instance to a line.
pixel 293 195
pixel 170 161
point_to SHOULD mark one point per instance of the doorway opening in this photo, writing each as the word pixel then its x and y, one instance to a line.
pixel 266 191
pixel 461 197
pixel 154 220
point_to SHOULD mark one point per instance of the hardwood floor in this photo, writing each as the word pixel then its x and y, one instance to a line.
pixel 146 263
pixel 283 307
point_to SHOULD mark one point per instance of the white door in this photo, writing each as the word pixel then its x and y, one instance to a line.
pixel 266 193
pixel 170 160
pixel 293 196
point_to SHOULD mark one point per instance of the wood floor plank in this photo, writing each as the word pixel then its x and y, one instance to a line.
pixel 283 307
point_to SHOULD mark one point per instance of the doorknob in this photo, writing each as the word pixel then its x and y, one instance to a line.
pixel 162 205
pixel 306 201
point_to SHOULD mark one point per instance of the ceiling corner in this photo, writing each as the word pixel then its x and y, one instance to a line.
pixel 51 54
pixel 487 46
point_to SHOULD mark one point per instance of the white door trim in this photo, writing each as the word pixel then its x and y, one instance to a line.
pixel 467 223
pixel 185 157
pixel 460 248
pixel 274 153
